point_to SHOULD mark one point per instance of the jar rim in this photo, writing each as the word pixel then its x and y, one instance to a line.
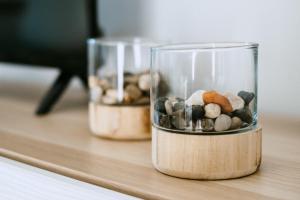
pixel 126 41
pixel 205 46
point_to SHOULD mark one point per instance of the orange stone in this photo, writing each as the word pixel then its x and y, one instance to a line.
pixel 214 97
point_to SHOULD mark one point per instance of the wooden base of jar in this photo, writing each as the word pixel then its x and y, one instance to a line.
pixel 120 122
pixel 208 157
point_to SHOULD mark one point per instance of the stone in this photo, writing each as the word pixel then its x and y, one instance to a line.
pixel 133 91
pixel 143 100
pixel 235 101
pixel 131 79
pixel 169 106
pixel 236 123
pixel 222 123
pixel 104 84
pixel 109 100
pixel 207 124
pixel 178 106
pixel 126 98
pixel 197 125
pixel 178 120
pixel 159 105
pixel 112 93
pixel 196 98
pixel 246 96
pixel 164 121
pixel 244 114
pixel 96 93
pixel 145 82
pixel 212 110
pixel 195 112
pixel 244 125
pixel 214 97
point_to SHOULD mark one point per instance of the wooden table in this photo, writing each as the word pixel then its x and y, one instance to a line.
pixel 61 142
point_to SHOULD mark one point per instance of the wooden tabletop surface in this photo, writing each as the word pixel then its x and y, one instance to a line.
pixel 61 142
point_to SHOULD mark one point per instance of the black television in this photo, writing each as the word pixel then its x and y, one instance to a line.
pixel 50 33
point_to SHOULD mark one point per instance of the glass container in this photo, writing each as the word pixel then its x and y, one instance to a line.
pixel 119 83
pixel 212 91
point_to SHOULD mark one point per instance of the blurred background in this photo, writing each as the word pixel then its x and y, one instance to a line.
pixel 274 24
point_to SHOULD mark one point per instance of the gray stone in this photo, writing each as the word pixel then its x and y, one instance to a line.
pixel 212 110
pixel 244 114
pixel 246 96
pixel 178 121
pixel 195 112
pixel 178 106
pixel 159 105
pixel 236 123
pixel 164 121
pixel 244 125
pixel 207 124
pixel 222 123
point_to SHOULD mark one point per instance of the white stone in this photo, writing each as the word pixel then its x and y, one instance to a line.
pixel 212 110
pixel 169 107
pixel 112 93
pixel 196 98
pixel 145 82
pixel 222 123
pixel 235 101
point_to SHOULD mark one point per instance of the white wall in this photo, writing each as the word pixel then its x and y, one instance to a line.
pixel 275 24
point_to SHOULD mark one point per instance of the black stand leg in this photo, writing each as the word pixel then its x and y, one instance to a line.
pixel 84 81
pixel 54 93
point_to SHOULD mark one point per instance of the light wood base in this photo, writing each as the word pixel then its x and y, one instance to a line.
pixel 120 122
pixel 209 157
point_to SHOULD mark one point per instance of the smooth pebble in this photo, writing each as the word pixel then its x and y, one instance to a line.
pixel 159 105
pixel 235 101
pixel 244 114
pixel 246 96
pixel 236 123
pixel 207 124
pixel 133 91
pixel 222 123
pixel 212 110
pixel 196 98
pixel 145 82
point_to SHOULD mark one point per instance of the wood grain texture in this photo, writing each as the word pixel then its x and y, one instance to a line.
pixel 120 122
pixel 61 142
pixel 208 157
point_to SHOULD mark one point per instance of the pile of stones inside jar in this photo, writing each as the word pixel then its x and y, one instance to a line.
pixel 135 91
pixel 206 111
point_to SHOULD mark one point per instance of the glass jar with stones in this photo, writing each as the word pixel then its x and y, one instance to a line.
pixel 119 83
pixel 205 125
